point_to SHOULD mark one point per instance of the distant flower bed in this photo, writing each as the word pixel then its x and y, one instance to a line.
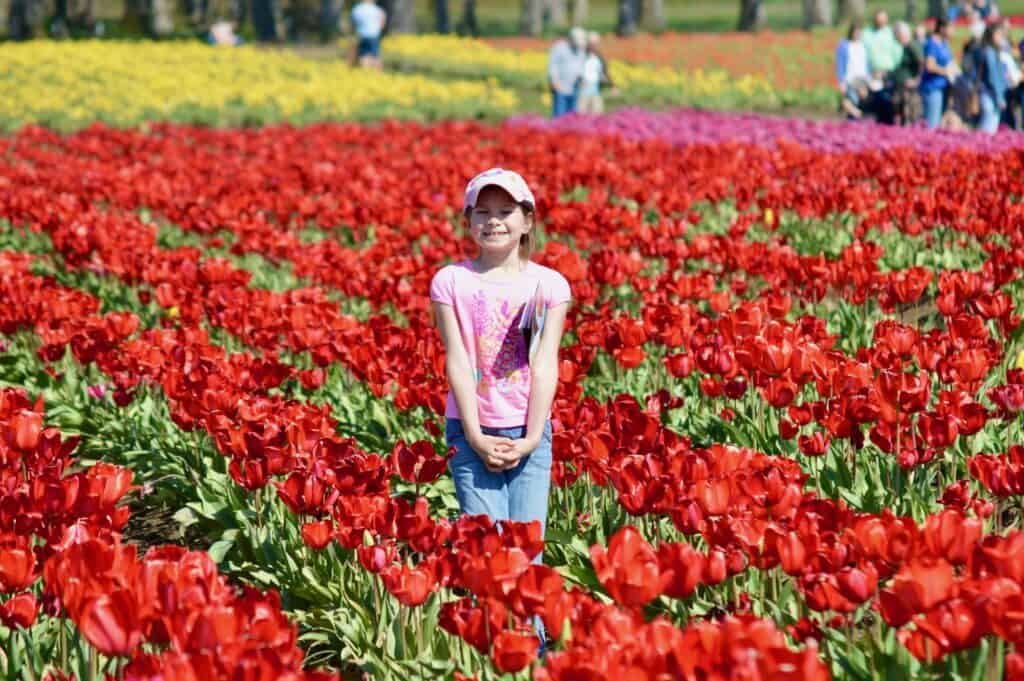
pixel 68 85
pixel 467 57
pixel 684 127
pixel 797 64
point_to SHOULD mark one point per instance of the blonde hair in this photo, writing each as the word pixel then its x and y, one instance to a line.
pixel 528 241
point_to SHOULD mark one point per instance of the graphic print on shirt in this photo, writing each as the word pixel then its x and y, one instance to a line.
pixel 500 346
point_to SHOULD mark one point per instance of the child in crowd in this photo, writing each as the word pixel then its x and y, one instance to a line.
pixel 595 77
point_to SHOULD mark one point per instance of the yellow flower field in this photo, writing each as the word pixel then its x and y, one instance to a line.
pixel 68 85
pixel 467 57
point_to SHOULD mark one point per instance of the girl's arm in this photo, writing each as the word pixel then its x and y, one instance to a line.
pixel 459 371
pixel 544 375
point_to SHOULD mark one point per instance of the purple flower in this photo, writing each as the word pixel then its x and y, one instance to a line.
pixel 683 127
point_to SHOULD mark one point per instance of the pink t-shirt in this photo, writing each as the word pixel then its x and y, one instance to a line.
pixel 489 313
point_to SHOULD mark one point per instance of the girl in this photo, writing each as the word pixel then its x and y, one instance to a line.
pixel 500 392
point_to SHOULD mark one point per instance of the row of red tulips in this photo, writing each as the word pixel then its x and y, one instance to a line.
pixel 255 183
pixel 904 330
pixel 733 346
pixel 359 495
pixel 65 526
pixel 715 499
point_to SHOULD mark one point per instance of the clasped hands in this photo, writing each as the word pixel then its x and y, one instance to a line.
pixel 501 453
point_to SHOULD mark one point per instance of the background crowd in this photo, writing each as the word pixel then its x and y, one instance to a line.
pixel 577 74
pixel 900 75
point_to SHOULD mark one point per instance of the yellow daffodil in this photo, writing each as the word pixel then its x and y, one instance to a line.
pixel 467 57
pixel 69 85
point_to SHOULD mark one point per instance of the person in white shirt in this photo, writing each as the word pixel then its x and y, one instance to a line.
pixel 853 72
pixel 368 21
pixel 1013 115
pixel 565 68
pixel 595 76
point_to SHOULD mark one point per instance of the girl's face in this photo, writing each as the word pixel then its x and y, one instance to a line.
pixel 497 222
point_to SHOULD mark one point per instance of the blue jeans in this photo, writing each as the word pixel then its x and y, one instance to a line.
pixel 562 104
pixel 933 101
pixel 519 494
pixel 989 113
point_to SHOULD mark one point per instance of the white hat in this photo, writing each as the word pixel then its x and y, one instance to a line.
pixel 510 181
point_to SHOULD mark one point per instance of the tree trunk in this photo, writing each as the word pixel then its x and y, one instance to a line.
pixel 911 11
pixel 532 20
pixel 19 27
pixel 135 17
pixel 467 24
pixel 557 14
pixel 441 22
pixel 817 13
pixel 163 18
pixel 328 20
pixel 579 12
pixel 403 17
pixel 938 8
pixel 851 11
pixel 654 15
pixel 627 17
pixel 264 20
pixel 751 15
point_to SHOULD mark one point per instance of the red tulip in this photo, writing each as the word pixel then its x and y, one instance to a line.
pixel 110 623
pixel 628 569
pixel 418 462
pixel 20 611
pixel 26 427
pixel 17 569
pixel 513 651
pixel 317 535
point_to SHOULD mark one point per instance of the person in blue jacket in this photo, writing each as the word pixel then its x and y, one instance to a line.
pixel 939 71
pixel 991 79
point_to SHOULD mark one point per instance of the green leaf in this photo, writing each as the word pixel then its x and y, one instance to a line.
pixel 219 549
pixel 186 516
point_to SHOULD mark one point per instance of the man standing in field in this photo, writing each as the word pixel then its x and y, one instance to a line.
pixel 368 22
pixel 904 79
pixel 565 68
pixel 884 51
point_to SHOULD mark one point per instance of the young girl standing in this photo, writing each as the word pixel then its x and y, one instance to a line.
pixel 500 392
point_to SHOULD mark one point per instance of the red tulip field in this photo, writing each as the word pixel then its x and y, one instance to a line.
pixel 787 433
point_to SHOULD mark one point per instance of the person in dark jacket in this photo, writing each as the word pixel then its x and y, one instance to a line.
pixel 904 79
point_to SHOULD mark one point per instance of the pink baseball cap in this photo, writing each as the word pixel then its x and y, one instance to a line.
pixel 509 180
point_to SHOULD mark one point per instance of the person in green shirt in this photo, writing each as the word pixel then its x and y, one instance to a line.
pixel 884 51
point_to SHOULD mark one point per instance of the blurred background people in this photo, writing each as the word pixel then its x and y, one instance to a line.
pixel 883 50
pixel 991 79
pixel 368 22
pixel 594 78
pixel 852 68
pixel 222 34
pixel 939 70
pixel 1013 114
pixel 904 79
pixel 565 70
